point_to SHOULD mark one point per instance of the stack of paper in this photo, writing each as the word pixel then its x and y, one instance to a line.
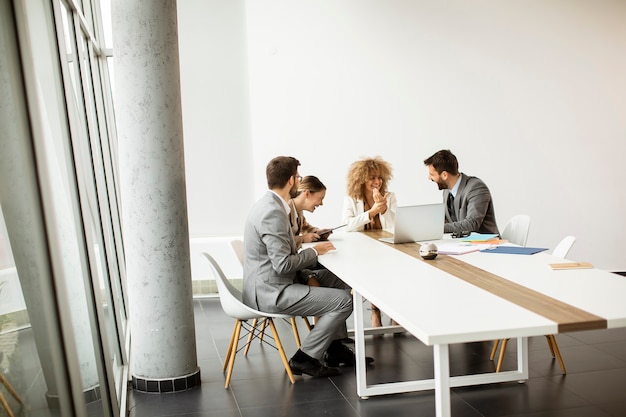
pixel 479 237
pixel 487 238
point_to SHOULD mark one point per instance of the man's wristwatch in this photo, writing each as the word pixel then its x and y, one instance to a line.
pixel 311 275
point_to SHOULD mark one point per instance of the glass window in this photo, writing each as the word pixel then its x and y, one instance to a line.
pixel 91 131
pixel 79 258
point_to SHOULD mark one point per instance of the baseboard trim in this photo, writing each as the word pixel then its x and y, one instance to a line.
pixel 164 385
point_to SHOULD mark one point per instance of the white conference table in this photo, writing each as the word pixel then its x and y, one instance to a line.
pixel 505 296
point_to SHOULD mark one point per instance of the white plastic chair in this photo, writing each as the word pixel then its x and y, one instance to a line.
pixel 237 245
pixel 233 306
pixel 516 230
pixel 561 250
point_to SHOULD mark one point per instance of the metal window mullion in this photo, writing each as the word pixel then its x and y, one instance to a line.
pixel 110 198
pixel 97 318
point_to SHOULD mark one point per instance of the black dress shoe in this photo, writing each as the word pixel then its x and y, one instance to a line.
pixel 342 356
pixel 312 367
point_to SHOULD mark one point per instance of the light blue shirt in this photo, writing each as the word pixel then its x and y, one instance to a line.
pixel 455 189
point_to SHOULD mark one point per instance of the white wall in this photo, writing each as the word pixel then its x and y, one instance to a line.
pixel 214 88
pixel 530 96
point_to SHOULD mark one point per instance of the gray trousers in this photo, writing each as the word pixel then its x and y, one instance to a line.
pixel 332 303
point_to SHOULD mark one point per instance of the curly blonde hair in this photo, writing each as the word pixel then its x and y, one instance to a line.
pixel 359 173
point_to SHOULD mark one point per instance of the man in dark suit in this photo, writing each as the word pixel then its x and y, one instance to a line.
pixel 469 206
pixel 273 272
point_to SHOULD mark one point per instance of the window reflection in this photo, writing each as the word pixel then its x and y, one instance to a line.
pixel 91 123
pixel 19 361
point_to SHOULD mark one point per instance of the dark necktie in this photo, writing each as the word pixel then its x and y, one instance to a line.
pixel 451 211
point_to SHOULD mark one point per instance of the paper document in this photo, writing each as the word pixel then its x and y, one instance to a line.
pixel 479 237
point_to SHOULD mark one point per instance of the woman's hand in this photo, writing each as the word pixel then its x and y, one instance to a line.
pixel 380 203
pixel 378 208
pixel 310 237
pixel 378 197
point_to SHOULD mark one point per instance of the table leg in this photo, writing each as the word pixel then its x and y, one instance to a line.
pixel 359 345
pixel 442 380
pixel 522 358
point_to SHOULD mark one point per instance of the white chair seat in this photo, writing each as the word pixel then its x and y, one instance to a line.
pixel 231 302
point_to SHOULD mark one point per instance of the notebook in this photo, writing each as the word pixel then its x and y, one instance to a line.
pixel 514 250
pixel 417 223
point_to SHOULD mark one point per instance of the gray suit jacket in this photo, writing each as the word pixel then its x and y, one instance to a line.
pixel 271 261
pixel 473 206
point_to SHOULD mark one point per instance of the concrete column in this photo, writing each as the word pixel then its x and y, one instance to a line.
pixel 154 206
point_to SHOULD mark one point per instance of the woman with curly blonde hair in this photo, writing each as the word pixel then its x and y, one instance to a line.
pixel 369 205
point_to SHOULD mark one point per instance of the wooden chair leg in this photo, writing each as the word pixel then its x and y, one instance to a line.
pixel 296 334
pixel 230 348
pixel 233 353
pixel 279 345
pixel 250 336
pixel 550 345
pixel 306 322
pixel 494 349
pixel 262 332
pixel 555 348
pixel 9 388
pixel 501 357
pixel 5 404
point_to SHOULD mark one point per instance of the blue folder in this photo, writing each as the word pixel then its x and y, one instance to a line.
pixel 515 250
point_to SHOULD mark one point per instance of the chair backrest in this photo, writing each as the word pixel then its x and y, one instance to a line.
pixel 516 230
pixel 237 246
pixel 562 248
pixel 230 296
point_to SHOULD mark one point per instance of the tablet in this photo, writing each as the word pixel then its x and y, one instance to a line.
pixel 324 233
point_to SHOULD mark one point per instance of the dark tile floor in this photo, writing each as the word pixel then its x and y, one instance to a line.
pixel 595 384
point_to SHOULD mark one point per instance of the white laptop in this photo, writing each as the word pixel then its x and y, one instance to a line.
pixel 418 223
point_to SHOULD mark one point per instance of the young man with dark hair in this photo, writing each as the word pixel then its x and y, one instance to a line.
pixel 469 206
pixel 273 269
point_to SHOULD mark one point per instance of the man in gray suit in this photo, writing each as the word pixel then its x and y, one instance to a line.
pixel 469 207
pixel 274 273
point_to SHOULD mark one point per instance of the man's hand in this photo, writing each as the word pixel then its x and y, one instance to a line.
pixel 324 247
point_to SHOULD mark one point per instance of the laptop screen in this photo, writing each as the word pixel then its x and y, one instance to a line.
pixel 418 223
